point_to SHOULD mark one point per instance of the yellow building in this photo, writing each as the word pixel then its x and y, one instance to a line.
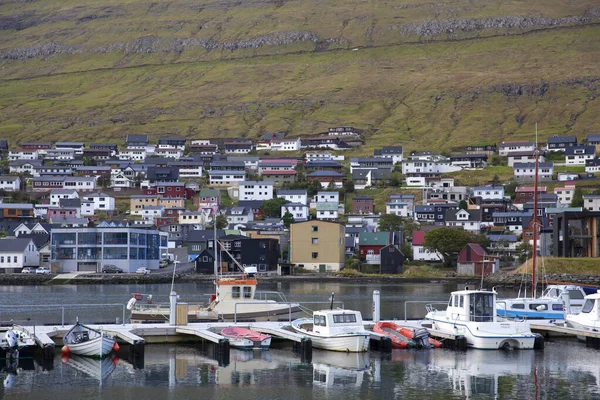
pixel 167 202
pixel 318 245
pixel 138 202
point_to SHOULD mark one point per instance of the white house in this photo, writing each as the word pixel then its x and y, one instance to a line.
pixel 87 208
pixel 57 194
pixel 565 194
pixel 256 190
pixel 169 153
pixel 10 183
pixel 132 154
pixel 327 197
pixel 505 148
pixel 23 154
pixel 294 196
pixel 393 152
pixel 101 201
pixel 523 157
pixel 189 169
pixel 118 180
pixel 226 178
pixel 469 220
pixel 202 217
pixel 327 211
pixel 398 207
pixel 420 253
pixel 489 192
pixel 285 144
pixel 427 167
pixel 526 171
pixel 60 154
pixel 81 183
pixel 578 155
pixel 591 202
pixel 298 210
pixel 150 213
pixel 15 254
pixel 239 215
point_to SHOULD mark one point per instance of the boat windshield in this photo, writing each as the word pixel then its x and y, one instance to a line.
pixel 588 306
pixel 551 292
pixel 482 307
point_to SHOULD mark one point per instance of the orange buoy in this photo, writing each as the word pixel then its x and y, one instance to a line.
pixel 116 347
pixel 65 349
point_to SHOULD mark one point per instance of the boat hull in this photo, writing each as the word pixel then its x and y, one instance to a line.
pixel 350 342
pixel 487 335
pixel 97 347
pixel 247 339
pixel 270 314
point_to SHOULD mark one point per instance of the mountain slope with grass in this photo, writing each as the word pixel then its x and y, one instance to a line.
pixel 424 74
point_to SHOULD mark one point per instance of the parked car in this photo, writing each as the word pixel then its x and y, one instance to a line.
pixel 143 270
pixel 28 270
pixel 111 269
pixel 42 270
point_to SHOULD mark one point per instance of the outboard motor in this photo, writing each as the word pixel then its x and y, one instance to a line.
pixel 421 338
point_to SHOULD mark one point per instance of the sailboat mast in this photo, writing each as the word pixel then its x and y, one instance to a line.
pixel 216 266
pixel 535 217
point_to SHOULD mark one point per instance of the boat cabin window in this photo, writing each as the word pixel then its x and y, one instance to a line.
pixel 538 307
pixel 518 306
pixel 575 294
pixel 247 292
pixel 319 320
pixel 462 301
pixel 587 306
pixel 344 318
pixel 482 307
pixel 551 292
pixel 235 292
pixel 557 307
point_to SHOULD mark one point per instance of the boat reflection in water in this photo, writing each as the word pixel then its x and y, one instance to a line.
pixel 333 369
pixel 476 372
pixel 96 368
pixel 12 367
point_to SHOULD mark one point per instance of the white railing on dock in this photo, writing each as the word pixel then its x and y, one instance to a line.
pixel 62 307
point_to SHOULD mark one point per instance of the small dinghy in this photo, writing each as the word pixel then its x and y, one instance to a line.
pixel 244 338
pixel 405 338
pixel 85 341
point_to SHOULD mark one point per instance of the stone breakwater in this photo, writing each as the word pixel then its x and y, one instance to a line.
pixel 505 279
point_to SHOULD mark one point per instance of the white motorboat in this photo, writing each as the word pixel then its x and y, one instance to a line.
pixel 472 313
pixel 17 342
pixel 588 319
pixel 335 330
pixel 85 341
pixel 548 306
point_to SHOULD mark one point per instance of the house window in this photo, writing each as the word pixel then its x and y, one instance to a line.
pixel 315 255
pixel 15 259
pixel 315 240
pixel 315 228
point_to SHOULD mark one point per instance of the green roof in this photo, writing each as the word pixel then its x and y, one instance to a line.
pixel 327 206
pixel 374 238
pixel 209 193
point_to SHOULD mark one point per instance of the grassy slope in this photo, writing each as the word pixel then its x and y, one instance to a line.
pixel 435 94
pixel 578 266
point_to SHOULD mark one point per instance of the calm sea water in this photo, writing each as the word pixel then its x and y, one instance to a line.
pixel 564 370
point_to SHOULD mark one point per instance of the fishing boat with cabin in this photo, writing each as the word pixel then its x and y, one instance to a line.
pixel 472 314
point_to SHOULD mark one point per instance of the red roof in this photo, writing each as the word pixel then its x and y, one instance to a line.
pixel 477 249
pixel 418 238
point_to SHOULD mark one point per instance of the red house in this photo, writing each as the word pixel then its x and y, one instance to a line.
pixel 173 190
pixel 474 261
pixel 370 245
pixel 525 193
pixel 363 205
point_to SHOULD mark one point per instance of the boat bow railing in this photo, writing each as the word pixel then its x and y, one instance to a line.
pixel 428 305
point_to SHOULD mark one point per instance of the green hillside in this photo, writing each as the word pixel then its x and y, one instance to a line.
pixel 419 73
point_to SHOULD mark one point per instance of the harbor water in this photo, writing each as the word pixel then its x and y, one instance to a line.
pixel 566 369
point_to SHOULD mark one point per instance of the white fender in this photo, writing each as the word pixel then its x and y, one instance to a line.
pixel 11 338
pixel 131 303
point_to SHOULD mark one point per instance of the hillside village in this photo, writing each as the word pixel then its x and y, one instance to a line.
pixel 290 204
